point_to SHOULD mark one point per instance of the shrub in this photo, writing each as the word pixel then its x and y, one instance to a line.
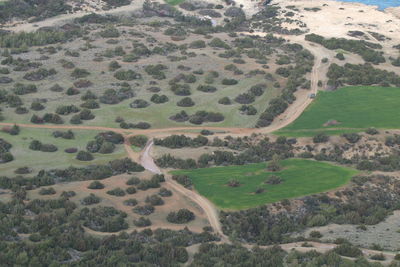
pixel 86 114
pixel 133 181
pixel 142 222
pixel 159 99
pixel 130 202
pixel 39 146
pixel 206 88
pixel 111 96
pixel 234 183
pixel 131 190
pixel 39 74
pixel 315 234
pixel 156 71
pixel 245 98
pixel 103 219
pixel 273 180
pixel 227 81
pixel 154 200
pixel 23 170
pixel 66 110
pixel 218 43
pixel 23 89
pixel 71 150
pixel 95 185
pixel 110 32
pixel 90 104
pixel 143 210
pixel 139 103
pixel 348 250
pixel 185 102
pixel 197 44
pixel 340 56
pixel 181 216
pixel 248 110
pixel 65 135
pixel 320 138
pixel 76 119
pixel 106 147
pixel 68 194
pixel 79 73
pixel 225 101
pixel 378 257
pixel 37 106
pixel 180 117
pixel 90 200
pixel 371 131
pixel 6 157
pixel 165 192
pixel 116 192
pixel 352 137
pixel 114 65
pixel 47 191
pixel 183 180
pixel 84 156
pixel 138 140
pixel 258 89
pixel 127 75
pixel 72 91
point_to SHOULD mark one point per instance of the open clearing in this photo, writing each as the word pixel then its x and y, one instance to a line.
pixel 300 177
pixel 37 160
pixel 353 109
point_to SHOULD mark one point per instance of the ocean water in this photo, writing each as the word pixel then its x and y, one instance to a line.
pixel 382 4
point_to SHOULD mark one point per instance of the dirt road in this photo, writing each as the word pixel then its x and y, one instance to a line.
pixel 147 161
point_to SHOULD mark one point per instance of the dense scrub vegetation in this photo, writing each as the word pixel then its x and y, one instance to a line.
pixel 366 202
pixel 361 75
pixel 366 50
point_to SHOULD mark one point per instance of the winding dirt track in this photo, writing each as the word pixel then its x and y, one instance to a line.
pixel 146 160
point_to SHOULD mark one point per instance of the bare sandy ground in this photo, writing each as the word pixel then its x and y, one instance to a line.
pixel 335 18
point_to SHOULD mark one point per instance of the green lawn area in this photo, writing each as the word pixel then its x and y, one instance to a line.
pixel 355 108
pixel 300 177
pixel 174 2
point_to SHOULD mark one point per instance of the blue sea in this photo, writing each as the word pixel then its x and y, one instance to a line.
pixel 382 4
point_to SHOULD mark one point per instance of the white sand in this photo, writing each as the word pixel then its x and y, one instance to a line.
pixel 335 19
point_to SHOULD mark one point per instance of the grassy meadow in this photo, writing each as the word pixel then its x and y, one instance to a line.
pixel 37 160
pixel 300 177
pixel 354 108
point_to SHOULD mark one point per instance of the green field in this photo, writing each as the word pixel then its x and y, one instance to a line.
pixel 174 2
pixel 355 108
pixel 300 177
